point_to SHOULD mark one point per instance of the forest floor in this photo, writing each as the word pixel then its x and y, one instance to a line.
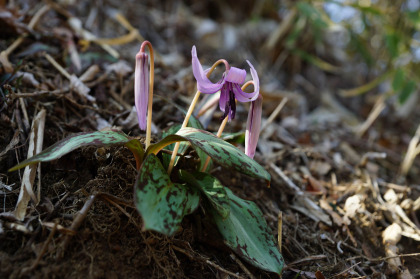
pixel 338 194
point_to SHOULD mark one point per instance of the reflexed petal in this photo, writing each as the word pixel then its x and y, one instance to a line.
pixel 253 125
pixel 236 75
pixel 204 85
pixel 242 96
pixel 254 77
pixel 141 88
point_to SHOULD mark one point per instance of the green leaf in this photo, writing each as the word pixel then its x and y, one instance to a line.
pixel 312 13
pixel 392 41
pixel 246 232
pixel 98 138
pixel 162 203
pixel 398 81
pixel 211 188
pixel 408 88
pixel 219 150
pixel 414 17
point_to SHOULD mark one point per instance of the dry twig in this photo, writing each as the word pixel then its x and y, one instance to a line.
pixel 203 259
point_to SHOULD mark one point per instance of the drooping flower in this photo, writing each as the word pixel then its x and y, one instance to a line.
pixel 229 85
pixel 253 125
pixel 141 87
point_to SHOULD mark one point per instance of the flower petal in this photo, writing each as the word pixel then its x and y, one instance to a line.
pixel 253 125
pixel 236 75
pixel 204 85
pixel 224 97
pixel 141 88
pixel 242 96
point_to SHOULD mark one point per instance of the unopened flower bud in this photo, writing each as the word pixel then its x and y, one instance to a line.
pixel 141 88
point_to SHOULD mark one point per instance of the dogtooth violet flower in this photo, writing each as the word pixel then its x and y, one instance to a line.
pixel 229 86
pixel 141 87
pixel 230 89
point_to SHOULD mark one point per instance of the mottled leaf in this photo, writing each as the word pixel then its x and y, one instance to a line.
pixel 211 188
pixel 246 232
pixel 98 138
pixel 162 203
pixel 219 150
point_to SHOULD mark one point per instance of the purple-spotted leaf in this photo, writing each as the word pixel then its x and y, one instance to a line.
pixel 246 232
pixel 211 188
pixel 219 150
pixel 162 203
pixel 98 138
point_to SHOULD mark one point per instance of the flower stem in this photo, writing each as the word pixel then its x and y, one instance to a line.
pixel 190 111
pixel 222 127
pixel 151 80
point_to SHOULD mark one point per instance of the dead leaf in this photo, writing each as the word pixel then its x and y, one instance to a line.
pixel 35 146
pixel 121 68
pixel 81 88
pixel 12 144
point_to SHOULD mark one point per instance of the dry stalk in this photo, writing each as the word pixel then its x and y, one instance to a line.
pixel 308 207
pixel 202 259
pixel 377 109
pixel 4 55
pixel 242 266
pixel 412 151
pixel 274 114
pixel 77 221
pixel 43 251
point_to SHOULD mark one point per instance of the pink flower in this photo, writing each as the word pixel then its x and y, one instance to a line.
pixel 229 85
pixel 141 87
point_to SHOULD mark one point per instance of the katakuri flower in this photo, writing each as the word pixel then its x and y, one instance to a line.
pixel 229 86
pixel 253 126
pixel 141 87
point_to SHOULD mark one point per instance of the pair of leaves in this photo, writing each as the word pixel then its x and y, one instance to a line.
pixel 163 204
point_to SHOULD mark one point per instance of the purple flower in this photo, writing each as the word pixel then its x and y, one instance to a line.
pixel 141 87
pixel 229 86
pixel 253 125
